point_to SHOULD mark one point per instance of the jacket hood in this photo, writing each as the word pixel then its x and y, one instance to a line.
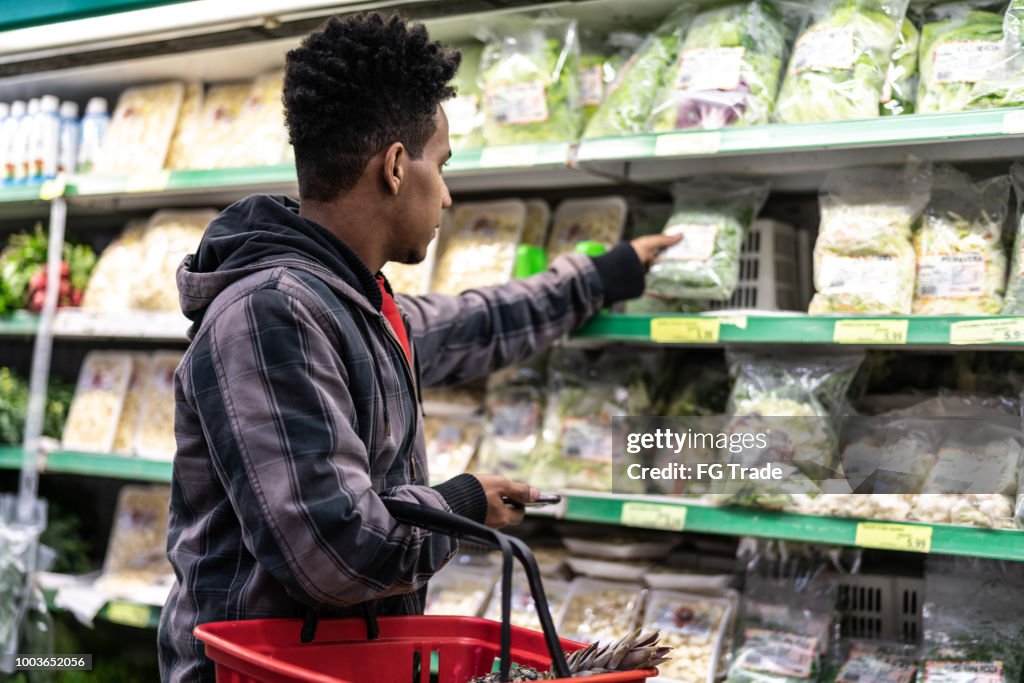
pixel 262 232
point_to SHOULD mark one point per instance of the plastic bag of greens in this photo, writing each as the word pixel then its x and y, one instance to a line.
pixel 961 266
pixel 872 660
pixel 465 111
pixel 966 60
pixel 514 413
pixel 601 58
pixel 839 62
pixel 973 620
pixel 728 69
pixel 1013 304
pixel 713 215
pixel 627 104
pixel 900 90
pixel 528 73
pixel 796 398
pixel 586 389
pixel 19 545
pixel 864 255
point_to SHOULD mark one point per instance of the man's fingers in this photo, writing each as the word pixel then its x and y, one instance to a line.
pixel 514 515
pixel 520 493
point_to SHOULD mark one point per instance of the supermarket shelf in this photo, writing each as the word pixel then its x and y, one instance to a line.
pixel 797 328
pixel 10 457
pixel 808 148
pixel 74 323
pixel 121 612
pixel 19 324
pixel 23 14
pixel 648 512
pixel 104 465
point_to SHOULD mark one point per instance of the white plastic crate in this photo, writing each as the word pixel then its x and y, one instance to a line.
pixel 770 271
pixel 881 607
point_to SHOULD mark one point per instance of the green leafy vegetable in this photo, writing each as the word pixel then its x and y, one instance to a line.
pixel 1013 303
pixel 839 63
pixel 899 94
pixel 713 216
pixel 464 111
pixel 727 72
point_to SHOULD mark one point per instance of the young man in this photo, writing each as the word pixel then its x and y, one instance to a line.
pixel 297 403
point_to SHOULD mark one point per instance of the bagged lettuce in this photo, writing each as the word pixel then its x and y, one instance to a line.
pixel 465 110
pixel 1013 303
pixel 970 57
pixel 627 104
pixel 599 63
pixel 839 63
pixel 713 215
pixel 528 73
pixel 727 71
pixel 899 93
pixel 864 255
pixel 961 266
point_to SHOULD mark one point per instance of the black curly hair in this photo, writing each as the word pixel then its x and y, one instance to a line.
pixel 355 86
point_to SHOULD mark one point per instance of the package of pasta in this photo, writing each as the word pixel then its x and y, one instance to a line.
pixel 99 398
pixel 864 256
pixel 713 216
pixel 600 220
pixel 140 130
pixel 137 552
pixel 154 432
pixel 187 128
pixel 124 442
pixel 961 265
pixel 728 69
pixel 528 74
pixel 535 229
pixel 413 278
pixel 259 136
pixel 217 119
pixel 478 245
pixel 106 290
pixel 170 236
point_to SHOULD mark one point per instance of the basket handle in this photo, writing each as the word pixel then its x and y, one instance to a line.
pixel 451 524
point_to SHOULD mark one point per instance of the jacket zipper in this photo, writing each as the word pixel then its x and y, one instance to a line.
pixel 412 379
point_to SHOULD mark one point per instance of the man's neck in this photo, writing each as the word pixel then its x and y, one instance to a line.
pixel 348 219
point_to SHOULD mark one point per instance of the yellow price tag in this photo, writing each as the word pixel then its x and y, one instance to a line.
pixel 155 182
pixel 51 189
pixel 1005 331
pixel 128 614
pixel 687 144
pixel 870 332
pixel 654 516
pixel 685 330
pixel 885 536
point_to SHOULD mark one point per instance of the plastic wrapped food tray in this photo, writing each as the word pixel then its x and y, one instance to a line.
pixel 99 397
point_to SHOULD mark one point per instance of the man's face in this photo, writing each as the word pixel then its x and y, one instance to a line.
pixel 427 196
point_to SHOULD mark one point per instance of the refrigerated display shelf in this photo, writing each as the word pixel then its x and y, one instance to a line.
pixel 75 323
pixel 93 465
pixel 19 324
pixel 796 328
pixel 10 457
pixel 24 14
pixel 122 612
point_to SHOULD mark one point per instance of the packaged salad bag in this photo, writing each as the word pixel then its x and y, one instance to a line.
pixel 1013 303
pixel 900 91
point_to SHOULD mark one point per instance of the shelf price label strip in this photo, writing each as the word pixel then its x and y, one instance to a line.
pixel 128 614
pixel 1002 331
pixel 888 536
pixel 653 516
pixel 870 331
pixel 685 330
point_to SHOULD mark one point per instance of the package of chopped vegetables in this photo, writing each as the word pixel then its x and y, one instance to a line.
pixel 596 220
pixel 586 389
pixel 840 61
pixel 727 71
pixel 864 256
pixel 713 216
pixel 154 434
pixel 601 59
pixel 124 442
pixel 140 131
pixel 221 108
pixel 187 128
pixel 1013 302
pixel 629 98
pixel 451 445
pixel 137 552
pixel 528 74
pixel 961 265
pixel 524 610
pixel 465 110
pixel 900 91
pixel 514 414
pixel 460 590
pixel 99 398
pixel 600 611
pixel 478 245
pixel 972 621
pixel 170 236
pixel 970 56
pixel 878 661
pixel 694 627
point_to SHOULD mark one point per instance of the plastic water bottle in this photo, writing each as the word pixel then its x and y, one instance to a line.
pixel 94 127
pixel 8 135
pixel 23 143
pixel 45 140
pixel 67 153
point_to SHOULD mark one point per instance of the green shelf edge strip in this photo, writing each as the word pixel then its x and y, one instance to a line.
pixel 113 466
pixel 732 521
pixel 794 329
pixel 19 323
pixel 43 12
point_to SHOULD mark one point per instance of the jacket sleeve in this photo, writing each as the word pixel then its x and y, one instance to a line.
pixel 274 403
pixel 458 338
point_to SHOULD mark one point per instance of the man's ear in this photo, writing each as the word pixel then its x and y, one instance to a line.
pixel 395 157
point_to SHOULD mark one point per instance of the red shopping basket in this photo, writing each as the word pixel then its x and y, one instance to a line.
pixel 413 649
